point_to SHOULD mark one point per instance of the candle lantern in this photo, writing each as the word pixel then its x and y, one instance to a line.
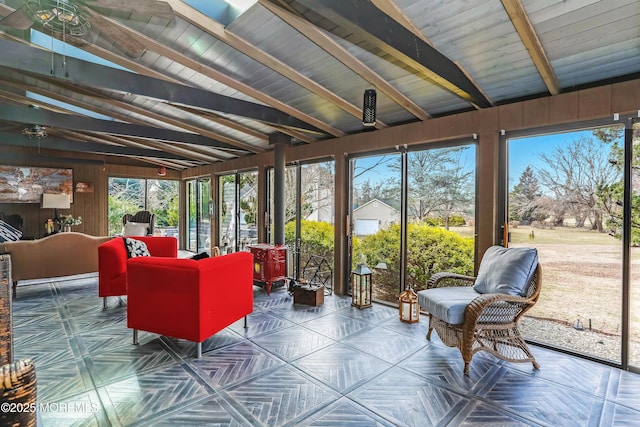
pixel 361 286
pixel 409 308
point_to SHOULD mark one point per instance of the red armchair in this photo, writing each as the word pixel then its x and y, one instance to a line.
pixel 112 262
pixel 188 299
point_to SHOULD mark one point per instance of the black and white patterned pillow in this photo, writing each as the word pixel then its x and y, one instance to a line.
pixel 9 233
pixel 136 248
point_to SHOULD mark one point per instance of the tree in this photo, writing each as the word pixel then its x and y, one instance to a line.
pixel 524 199
pixel 440 184
pixel 573 175
pixel 385 189
pixel 611 195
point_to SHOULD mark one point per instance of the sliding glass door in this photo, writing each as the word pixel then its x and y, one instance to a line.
pixel 238 210
pixel 199 215
pixel 412 215
pixel 632 139
pixel 565 199
pixel 309 215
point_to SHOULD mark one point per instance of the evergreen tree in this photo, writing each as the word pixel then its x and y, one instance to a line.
pixel 524 199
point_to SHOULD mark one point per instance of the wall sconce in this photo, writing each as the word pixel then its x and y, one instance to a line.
pixel 84 187
pixel 369 108
pixel 162 170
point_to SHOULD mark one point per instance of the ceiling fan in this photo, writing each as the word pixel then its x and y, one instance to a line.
pixel 72 20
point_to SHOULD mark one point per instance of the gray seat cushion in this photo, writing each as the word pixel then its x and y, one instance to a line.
pixel 506 270
pixel 448 303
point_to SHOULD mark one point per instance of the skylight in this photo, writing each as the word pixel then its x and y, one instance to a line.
pixel 223 11
pixel 51 43
pixel 241 5
pixel 69 107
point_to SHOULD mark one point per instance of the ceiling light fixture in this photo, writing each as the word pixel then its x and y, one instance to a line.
pixel 58 16
pixel 369 108
pixel 35 131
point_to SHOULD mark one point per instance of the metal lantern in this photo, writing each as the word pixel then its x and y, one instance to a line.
pixel 409 308
pixel 361 286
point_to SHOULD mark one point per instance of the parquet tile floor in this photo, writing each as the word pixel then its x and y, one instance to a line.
pixel 295 365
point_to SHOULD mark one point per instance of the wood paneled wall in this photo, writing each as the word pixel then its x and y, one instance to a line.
pixel 92 207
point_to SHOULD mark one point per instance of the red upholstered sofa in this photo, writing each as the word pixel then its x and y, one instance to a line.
pixel 112 262
pixel 188 299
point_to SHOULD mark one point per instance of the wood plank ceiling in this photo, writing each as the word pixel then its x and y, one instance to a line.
pixel 186 83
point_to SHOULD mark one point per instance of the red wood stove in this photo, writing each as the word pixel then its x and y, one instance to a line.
pixel 269 264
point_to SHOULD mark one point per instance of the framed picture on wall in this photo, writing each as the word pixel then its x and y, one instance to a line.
pixel 20 184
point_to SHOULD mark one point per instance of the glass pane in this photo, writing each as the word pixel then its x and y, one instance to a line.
pixel 126 195
pixel 204 219
pixel 316 222
pixel 248 209
pixel 375 205
pixel 227 212
pixel 163 201
pixel 560 202
pixel 441 212
pixel 192 215
pixel 634 326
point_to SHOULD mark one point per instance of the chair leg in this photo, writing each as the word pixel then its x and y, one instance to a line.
pixel 104 303
pixel 135 337
pixel 429 333
pixel 199 350
pixel 466 368
pixel 245 322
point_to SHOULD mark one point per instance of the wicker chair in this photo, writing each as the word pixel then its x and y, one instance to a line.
pixel 17 379
pixel 18 388
pixel 144 217
pixel 490 320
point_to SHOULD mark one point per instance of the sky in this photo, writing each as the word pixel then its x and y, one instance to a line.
pixel 527 151
pixel 522 151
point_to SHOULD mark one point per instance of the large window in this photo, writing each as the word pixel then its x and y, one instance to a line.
pixel 238 211
pixel 634 257
pixel 309 214
pixel 199 211
pixel 565 199
pixel 412 215
pixel 376 205
pixel 129 195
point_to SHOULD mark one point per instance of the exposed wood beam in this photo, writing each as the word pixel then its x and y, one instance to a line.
pixel 34 61
pixel 82 136
pixel 218 30
pixel 530 39
pixel 392 9
pixel 90 107
pixel 184 152
pixel 209 115
pixel 27 115
pixel 212 73
pixel 12 97
pixel 53 143
pixel 125 106
pixel 194 154
pixel 325 42
pixel 135 66
pixel 366 20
